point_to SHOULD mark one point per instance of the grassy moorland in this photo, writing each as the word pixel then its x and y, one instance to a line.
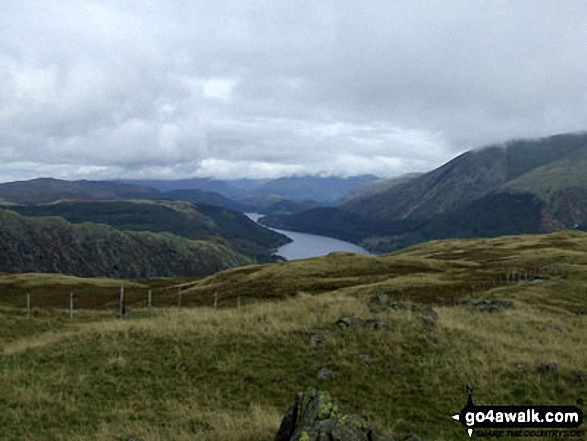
pixel 197 373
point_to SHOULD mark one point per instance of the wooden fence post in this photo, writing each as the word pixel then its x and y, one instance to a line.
pixel 150 301
pixel 122 302
pixel 70 305
pixel 28 305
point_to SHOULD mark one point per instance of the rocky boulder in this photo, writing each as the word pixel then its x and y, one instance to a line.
pixel 315 416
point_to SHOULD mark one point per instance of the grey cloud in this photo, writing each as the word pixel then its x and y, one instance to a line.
pixel 260 88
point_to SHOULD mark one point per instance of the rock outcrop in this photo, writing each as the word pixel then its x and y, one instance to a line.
pixel 315 416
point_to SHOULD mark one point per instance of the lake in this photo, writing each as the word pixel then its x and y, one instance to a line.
pixel 309 245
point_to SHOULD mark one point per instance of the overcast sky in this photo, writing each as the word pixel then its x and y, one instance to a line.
pixel 261 88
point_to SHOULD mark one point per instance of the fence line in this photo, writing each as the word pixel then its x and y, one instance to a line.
pixel 123 309
pixel 508 275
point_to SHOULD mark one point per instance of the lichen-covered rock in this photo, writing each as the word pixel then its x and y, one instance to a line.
pixel 315 416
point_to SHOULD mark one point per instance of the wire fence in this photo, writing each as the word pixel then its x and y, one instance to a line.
pixel 122 302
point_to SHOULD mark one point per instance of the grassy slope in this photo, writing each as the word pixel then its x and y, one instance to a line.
pixel 565 173
pixel 230 374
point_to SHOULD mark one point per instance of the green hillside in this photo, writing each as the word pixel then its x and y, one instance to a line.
pixel 568 172
pixel 179 218
pixel 505 316
pixel 53 245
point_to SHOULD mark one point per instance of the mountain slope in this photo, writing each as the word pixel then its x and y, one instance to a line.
pixel 53 245
pixel 566 172
pixel 479 193
pixel 465 178
pixel 179 218
pixel 379 186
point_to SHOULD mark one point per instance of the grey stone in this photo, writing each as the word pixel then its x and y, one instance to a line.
pixel 365 358
pixel 348 322
pixel 325 373
pixel 429 311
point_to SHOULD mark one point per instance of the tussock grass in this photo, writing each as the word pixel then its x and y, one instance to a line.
pixel 200 373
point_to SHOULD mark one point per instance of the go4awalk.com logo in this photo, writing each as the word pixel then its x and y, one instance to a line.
pixel 520 421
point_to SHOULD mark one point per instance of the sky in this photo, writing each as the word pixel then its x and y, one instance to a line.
pixel 230 89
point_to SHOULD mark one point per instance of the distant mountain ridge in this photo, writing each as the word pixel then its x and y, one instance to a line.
pixel 283 195
pixel 479 193
pixel 324 190
pixel 44 190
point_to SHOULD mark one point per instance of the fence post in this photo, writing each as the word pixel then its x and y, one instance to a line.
pixel 122 301
pixel 150 301
pixel 70 305
pixel 215 300
pixel 28 305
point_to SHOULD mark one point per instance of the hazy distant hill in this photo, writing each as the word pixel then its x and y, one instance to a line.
pixel 43 190
pixel 46 190
pixel 283 195
pixel 232 189
pixel 196 196
pixel 524 186
pixel 179 218
pixel 324 190
pixel 53 245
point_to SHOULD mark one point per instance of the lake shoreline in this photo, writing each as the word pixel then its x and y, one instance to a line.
pixel 304 245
